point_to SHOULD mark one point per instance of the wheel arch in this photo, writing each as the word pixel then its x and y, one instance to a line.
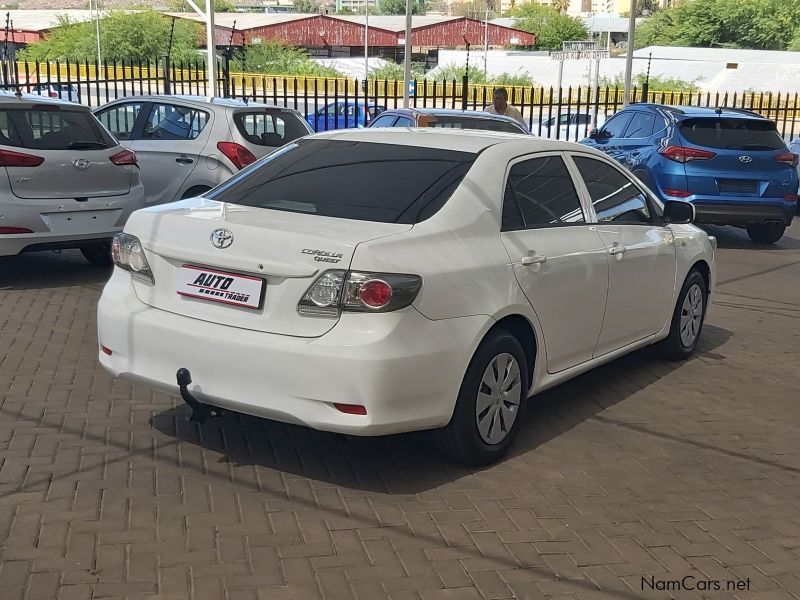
pixel 705 270
pixel 521 328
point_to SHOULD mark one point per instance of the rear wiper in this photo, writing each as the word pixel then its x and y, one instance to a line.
pixel 87 145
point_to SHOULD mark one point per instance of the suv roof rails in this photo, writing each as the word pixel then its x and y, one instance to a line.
pixel 743 111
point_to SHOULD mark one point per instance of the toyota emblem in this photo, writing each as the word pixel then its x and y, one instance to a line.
pixel 745 159
pixel 81 164
pixel 221 238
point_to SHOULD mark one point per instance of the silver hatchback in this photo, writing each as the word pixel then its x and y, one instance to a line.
pixel 68 183
pixel 187 145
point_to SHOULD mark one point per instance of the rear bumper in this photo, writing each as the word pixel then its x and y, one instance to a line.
pixel 743 213
pixel 405 369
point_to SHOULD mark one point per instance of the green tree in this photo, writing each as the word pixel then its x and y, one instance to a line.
pixel 277 58
pixel 141 36
pixel 220 6
pixel 398 7
pixel 550 26
pixel 393 72
pixel 306 6
pixel 794 45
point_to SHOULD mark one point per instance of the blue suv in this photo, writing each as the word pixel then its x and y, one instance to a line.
pixel 731 164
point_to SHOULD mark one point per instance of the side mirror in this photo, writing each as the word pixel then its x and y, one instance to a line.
pixel 679 212
pixel 593 133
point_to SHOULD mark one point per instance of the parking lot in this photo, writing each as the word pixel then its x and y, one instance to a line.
pixel 630 477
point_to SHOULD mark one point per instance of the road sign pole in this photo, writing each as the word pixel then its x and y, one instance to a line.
pixel 629 56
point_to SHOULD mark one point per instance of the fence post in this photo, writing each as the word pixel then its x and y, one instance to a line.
pixel 226 75
pixel 166 68
pixel 464 88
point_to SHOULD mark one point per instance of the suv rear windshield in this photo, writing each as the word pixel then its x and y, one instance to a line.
pixel 270 128
pixel 732 134
pixel 364 181
pixel 52 129
pixel 475 123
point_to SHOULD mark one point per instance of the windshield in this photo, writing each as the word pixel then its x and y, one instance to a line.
pixel 364 181
pixel 477 123
pixel 732 134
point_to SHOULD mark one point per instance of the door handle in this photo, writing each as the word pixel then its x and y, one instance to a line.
pixel 617 250
pixel 532 259
pixel 184 160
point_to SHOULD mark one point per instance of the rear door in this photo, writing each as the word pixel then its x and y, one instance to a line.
pixel 75 154
pixel 170 146
pixel 741 162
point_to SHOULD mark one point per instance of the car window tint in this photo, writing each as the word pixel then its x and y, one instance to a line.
pixel 476 123
pixel 540 193
pixel 172 122
pixel 56 129
pixel 384 121
pixel 8 134
pixel 732 134
pixel 617 124
pixel 403 122
pixel 641 125
pixel 270 128
pixel 374 111
pixel 120 120
pixel 337 178
pixel 614 196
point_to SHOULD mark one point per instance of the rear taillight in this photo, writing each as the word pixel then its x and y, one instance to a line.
pixel 676 193
pixel 787 158
pixel 682 154
pixel 339 291
pixel 236 153
pixel 127 253
pixel 126 157
pixel 18 159
pixel 13 230
pixel 790 198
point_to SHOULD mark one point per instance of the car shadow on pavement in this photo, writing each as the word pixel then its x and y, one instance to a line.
pixel 410 463
pixel 38 270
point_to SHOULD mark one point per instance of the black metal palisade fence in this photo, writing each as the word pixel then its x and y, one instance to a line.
pixel 93 85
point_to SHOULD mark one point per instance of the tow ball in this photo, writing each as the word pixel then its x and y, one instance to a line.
pixel 200 411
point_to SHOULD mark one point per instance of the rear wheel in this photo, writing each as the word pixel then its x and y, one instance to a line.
pixel 490 403
pixel 766 233
pixel 688 318
pixel 99 256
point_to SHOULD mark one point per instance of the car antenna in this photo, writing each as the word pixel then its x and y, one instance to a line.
pixel 718 110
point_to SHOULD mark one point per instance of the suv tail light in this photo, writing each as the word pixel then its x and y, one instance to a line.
pixel 18 159
pixel 787 158
pixel 339 291
pixel 126 157
pixel 682 154
pixel 236 153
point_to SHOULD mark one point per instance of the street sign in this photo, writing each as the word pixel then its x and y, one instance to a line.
pixel 412 88
pixel 579 54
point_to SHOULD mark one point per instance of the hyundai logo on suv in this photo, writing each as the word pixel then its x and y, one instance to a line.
pixel 221 238
pixel 745 159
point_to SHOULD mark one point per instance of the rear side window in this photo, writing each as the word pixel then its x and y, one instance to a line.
pixel 732 134
pixel 474 123
pixel 363 181
pixel 52 129
pixel 171 122
pixel 270 128
pixel 121 119
pixel 540 193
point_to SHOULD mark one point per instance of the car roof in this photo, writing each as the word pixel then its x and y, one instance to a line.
pixel 9 99
pixel 234 103
pixel 464 140
pixel 700 111
pixel 451 112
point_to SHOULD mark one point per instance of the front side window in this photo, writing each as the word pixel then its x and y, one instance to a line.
pixel 172 122
pixel 540 193
pixel 364 181
pixel 384 121
pixel 120 120
pixel 615 127
pixel 616 198
pixel 270 128
pixel 403 122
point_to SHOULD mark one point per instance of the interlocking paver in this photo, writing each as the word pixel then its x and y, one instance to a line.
pixel 639 469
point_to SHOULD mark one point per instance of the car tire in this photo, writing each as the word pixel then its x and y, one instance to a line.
pixel 766 233
pixel 478 433
pixel 687 318
pixel 99 256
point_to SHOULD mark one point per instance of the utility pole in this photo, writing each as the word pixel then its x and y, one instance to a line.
pixel 407 53
pixel 486 43
pixel 97 32
pixel 629 56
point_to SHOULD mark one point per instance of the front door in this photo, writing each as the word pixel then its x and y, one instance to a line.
pixel 169 148
pixel 641 255
pixel 558 259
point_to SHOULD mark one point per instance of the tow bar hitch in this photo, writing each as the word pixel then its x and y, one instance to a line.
pixel 200 411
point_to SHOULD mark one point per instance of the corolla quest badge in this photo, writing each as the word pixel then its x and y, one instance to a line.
pixel 221 238
pixel 745 159
pixel 81 164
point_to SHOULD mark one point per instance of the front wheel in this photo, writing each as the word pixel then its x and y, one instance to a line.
pixel 99 256
pixel 687 319
pixel 766 233
pixel 490 403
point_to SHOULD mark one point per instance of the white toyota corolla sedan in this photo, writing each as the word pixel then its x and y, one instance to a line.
pixel 371 282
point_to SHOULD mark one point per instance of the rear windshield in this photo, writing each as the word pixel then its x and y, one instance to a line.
pixel 364 181
pixel 475 123
pixel 732 134
pixel 272 128
pixel 52 129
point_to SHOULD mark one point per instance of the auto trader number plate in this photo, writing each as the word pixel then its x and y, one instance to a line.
pixel 219 286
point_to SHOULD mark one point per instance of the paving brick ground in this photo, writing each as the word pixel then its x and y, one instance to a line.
pixel 641 469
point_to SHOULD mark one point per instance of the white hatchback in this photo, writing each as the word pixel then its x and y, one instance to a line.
pixel 371 282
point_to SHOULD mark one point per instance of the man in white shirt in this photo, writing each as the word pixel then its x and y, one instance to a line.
pixel 500 105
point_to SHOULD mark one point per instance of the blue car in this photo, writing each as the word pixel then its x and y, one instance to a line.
pixel 345 114
pixel 731 164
